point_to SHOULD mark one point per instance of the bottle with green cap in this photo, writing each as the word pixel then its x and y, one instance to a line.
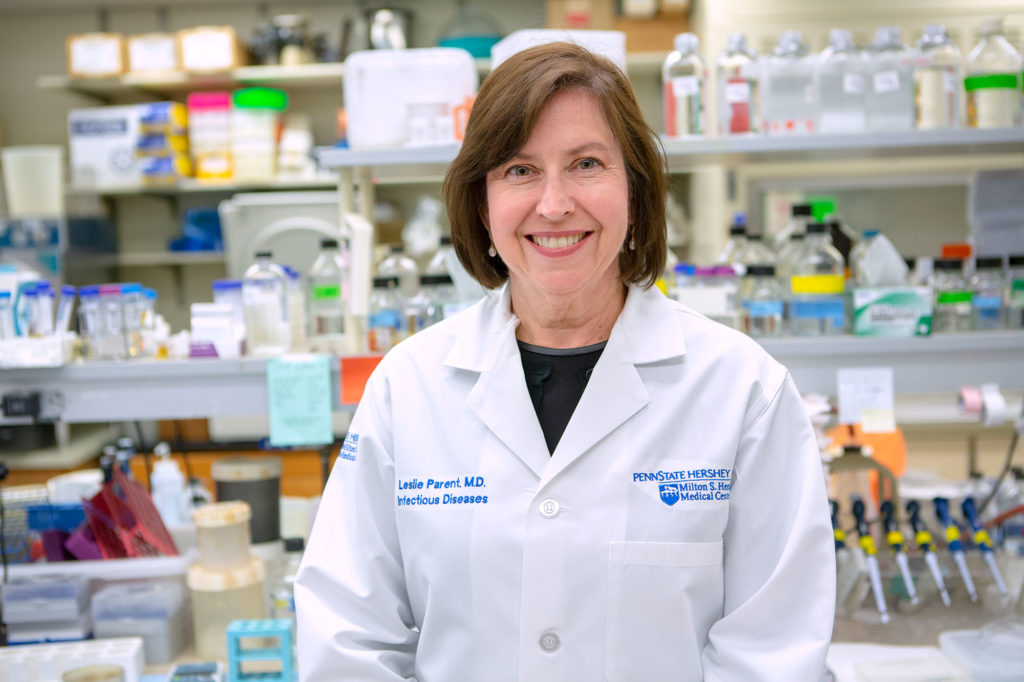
pixel 953 297
pixel 255 115
pixel 993 80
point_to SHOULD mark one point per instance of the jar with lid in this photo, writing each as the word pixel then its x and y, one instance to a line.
pixel 762 299
pixel 953 311
pixel 385 326
pixel 987 285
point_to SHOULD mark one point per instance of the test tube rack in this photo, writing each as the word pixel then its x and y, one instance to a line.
pixel 47 662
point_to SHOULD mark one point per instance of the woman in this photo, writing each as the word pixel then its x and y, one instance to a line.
pixel 576 479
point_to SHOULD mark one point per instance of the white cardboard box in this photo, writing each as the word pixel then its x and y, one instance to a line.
pixel 102 142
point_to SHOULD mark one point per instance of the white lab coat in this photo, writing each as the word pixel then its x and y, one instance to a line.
pixel 602 561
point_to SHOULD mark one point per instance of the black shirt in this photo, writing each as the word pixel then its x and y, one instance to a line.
pixel 556 378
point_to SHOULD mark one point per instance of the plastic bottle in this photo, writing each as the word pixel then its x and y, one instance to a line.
pixel 788 99
pixel 684 78
pixel 328 278
pixel 45 309
pixel 857 254
pixel 26 309
pixel 385 326
pixel 817 306
pixel 438 264
pixel 739 77
pixel 841 83
pixel 800 215
pixel 993 80
pixel 937 78
pixel 112 340
pixel 265 297
pixel 404 268
pixel 229 292
pixel 890 92
pixel 952 311
pixel 737 240
pixel 131 313
pixel 756 252
pixel 88 320
pixel 440 290
pixel 987 284
pixel 282 595
pixel 1015 292
pixel 167 486
pixel 6 318
pixel 298 333
pixel 762 299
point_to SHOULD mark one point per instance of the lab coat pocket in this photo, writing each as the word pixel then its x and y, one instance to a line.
pixel 662 599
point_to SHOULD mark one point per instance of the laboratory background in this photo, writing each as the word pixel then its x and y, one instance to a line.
pixel 217 216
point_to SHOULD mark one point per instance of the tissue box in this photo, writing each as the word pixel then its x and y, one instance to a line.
pixel 892 311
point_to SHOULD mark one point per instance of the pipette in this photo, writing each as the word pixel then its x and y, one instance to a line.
pixel 867 543
pixel 956 548
pixel 924 540
pixel 984 543
pixel 837 531
pixel 895 539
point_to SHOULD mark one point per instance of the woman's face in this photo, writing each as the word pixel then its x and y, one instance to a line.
pixel 558 210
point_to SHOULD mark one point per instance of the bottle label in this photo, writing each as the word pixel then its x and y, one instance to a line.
pixel 1017 287
pixel 388 317
pixel 328 291
pixel 887 81
pixel 853 83
pixel 737 92
pixel 763 308
pixel 988 307
pixel 831 308
pixel 685 86
pixel 994 81
pixel 949 80
pixel 954 297
pixel 816 284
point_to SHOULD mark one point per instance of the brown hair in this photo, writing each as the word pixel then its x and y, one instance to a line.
pixel 510 101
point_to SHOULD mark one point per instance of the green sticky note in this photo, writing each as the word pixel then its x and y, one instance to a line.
pixel 299 394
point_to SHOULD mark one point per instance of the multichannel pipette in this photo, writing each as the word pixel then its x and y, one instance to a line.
pixel 895 539
pixel 923 538
pixel 867 543
pixel 956 548
pixel 984 543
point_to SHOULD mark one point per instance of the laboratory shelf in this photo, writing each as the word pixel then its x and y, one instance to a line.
pixel 322 180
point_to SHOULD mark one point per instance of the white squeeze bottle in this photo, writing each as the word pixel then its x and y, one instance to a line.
pixel 168 487
pixel 683 78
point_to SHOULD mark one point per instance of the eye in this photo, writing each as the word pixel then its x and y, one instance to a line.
pixel 589 164
pixel 518 171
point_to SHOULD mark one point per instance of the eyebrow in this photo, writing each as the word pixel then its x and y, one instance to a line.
pixel 586 146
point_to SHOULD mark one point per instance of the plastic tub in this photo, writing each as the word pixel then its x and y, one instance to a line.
pixel 222 535
pixel 45 598
pixel 219 597
pixel 153 611
pixel 34 181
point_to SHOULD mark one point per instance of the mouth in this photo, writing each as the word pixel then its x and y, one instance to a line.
pixel 560 242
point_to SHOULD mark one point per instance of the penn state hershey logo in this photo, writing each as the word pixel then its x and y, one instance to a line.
pixel 695 485
pixel 669 493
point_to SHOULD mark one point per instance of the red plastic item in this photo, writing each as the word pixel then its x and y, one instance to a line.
pixel 125 521
pixel 960 250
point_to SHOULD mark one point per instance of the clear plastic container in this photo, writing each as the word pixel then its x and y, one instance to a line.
pixel 219 597
pixel 890 92
pixel 255 117
pixel 89 321
pixel 282 595
pixel 209 134
pixel 438 264
pixel 229 292
pixel 800 215
pixel 789 99
pixel 953 310
pixel 1015 292
pixel 737 241
pixel 296 310
pixel 61 598
pixel 683 79
pixel 993 80
pixel 938 74
pixel 756 252
pixel 739 79
pixel 131 312
pixel 328 289
pixel 27 310
pixel 857 256
pixel 44 318
pixel 385 324
pixel 222 535
pixel 840 80
pixel 763 301
pixel 112 338
pixel 817 306
pixel 440 290
pixel 397 264
pixel 6 316
pixel 987 285
pixel 153 611
pixel 265 297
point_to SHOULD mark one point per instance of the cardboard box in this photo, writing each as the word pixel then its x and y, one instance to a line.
pixel 581 14
pixel 153 52
pixel 206 49
pixel 892 311
pixel 96 55
pixel 102 143
pixel 652 35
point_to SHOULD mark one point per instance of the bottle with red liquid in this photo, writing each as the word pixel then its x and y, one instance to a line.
pixel 738 80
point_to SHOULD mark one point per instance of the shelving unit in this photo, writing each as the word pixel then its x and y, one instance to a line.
pixel 192 186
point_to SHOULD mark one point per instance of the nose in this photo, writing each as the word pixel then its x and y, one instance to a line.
pixel 555 200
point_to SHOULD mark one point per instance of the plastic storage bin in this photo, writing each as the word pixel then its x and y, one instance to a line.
pixel 219 597
pixel 153 611
pixel 45 599
pixel 222 535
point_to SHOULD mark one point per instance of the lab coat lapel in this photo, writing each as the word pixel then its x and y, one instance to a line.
pixel 648 331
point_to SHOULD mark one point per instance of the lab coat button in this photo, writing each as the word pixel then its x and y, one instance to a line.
pixel 549 508
pixel 550 642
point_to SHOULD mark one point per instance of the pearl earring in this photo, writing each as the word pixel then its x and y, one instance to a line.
pixel 632 243
pixel 492 252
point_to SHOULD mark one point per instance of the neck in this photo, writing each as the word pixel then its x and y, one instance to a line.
pixel 572 321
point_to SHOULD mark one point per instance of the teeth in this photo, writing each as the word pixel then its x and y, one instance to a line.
pixel 557 242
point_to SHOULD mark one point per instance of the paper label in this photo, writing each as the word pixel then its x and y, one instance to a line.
pixel 737 92
pixel 865 396
pixel 299 397
pixel 207 50
pixel 950 83
pixel 154 53
pixel 853 83
pixel 99 55
pixel 685 86
pixel 887 81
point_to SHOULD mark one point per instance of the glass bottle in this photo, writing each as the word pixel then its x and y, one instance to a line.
pixel 987 288
pixel 738 80
pixel 1015 293
pixel 440 290
pixel 756 252
pixel 265 297
pixel 890 91
pixel 397 264
pixel 328 278
pixel 816 305
pixel 683 78
pixel 993 80
pixel 789 100
pixel 840 83
pixel 800 215
pixel 762 299
pixel 737 241
pixel 384 326
pixel 937 78
pixel 952 311
pixel 438 264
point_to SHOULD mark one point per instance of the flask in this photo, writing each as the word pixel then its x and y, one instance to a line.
pixel 987 289
pixel 265 297
pixel 1015 292
pixel 761 297
pixel 789 99
pixel 840 83
pixel 384 326
pixel 327 293
pixel 404 268
pixel 816 305
pixel 937 79
pixel 167 484
pixel 738 88
pixel 890 92
pixel 993 80
pixel 952 312
pixel 683 78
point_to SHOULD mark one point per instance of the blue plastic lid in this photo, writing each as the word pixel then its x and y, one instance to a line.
pixel 30 290
pixel 739 218
pixel 43 286
pixel 293 274
pixel 67 290
pixel 90 290
pixel 131 288
pixel 685 268
pixel 5 294
pixel 226 284
pixel 149 293
pixel 868 234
